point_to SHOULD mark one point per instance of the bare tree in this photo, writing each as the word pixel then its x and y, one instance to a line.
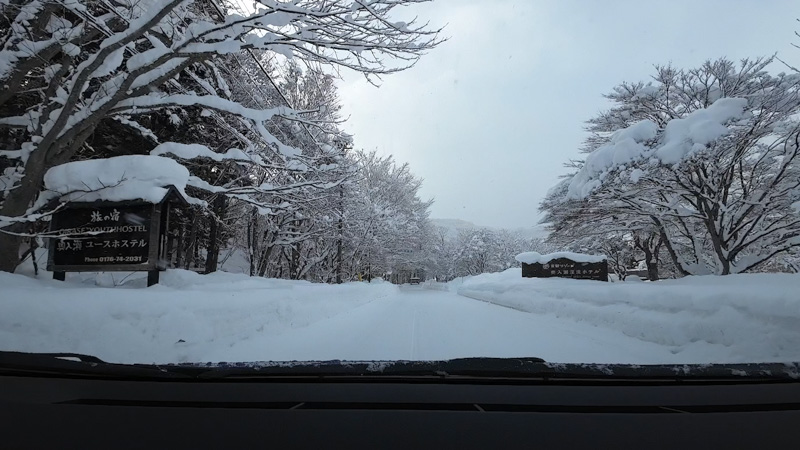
pixel 707 158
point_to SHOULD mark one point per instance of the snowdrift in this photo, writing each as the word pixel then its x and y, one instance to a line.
pixel 182 319
pixel 234 317
pixel 735 318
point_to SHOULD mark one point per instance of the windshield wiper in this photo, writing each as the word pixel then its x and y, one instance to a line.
pixel 521 369
pixel 461 367
pixel 74 356
pixel 77 364
pixel 530 369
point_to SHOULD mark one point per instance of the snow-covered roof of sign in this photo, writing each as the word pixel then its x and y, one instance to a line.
pixel 117 179
pixel 538 258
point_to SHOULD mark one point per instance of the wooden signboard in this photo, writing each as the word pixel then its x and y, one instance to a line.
pixel 566 268
pixel 115 237
pixel 110 236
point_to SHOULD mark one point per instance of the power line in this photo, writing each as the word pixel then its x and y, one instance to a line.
pixel 258 63
pixel 242 9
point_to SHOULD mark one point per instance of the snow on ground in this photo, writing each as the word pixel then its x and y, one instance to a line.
pixel 232 317
pixel 132 324
pixel 737 318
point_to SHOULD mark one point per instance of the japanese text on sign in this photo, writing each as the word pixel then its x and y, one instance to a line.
pixel 566 268
pixel 102 235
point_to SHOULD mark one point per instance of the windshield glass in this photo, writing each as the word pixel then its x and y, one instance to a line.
pixel 582 182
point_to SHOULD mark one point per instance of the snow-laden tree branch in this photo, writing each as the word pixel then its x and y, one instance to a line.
pixel 709 158
pixel 66 66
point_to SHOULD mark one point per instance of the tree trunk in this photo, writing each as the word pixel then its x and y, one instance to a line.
pixel 179 246
pixel 621 271
pixel 31 251
pixel 294 264
pixel 212 260
pixel 652 270
pixel 21 197
pixel 196 248
pixel 294 254
pixel 251 247
pixel 263 262
pixel 724 265
pixel 34 247
pixel 191 248
pixel 668 244
pixel 650 259
pixel 15 204
pixel 9 251
pixel 339 240
pixel 170 253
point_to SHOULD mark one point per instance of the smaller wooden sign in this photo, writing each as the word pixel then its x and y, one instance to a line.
pixel 566 268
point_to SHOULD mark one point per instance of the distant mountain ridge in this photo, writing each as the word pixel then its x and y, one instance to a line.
pixel 454 225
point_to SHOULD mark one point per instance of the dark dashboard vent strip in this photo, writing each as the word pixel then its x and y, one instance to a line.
pixel 483 407
pixel 391 406
pixel 180 404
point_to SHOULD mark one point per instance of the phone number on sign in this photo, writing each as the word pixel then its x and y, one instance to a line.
pixel 131 259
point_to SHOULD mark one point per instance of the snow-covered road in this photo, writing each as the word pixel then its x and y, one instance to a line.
pixel 229 317
pixel 420 324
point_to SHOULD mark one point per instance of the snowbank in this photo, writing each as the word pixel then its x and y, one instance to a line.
pixel 234 317
pixel 538 258
pixel 183 319
pixel 735 318
pixel 121 178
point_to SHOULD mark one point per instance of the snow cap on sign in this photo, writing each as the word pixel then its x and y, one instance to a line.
pixel 538 258
pixel 121 178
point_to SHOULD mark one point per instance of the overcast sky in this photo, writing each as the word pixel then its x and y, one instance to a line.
pixel 488 118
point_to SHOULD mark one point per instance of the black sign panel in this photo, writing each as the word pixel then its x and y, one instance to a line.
pixel 102 236
pixel 567 268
